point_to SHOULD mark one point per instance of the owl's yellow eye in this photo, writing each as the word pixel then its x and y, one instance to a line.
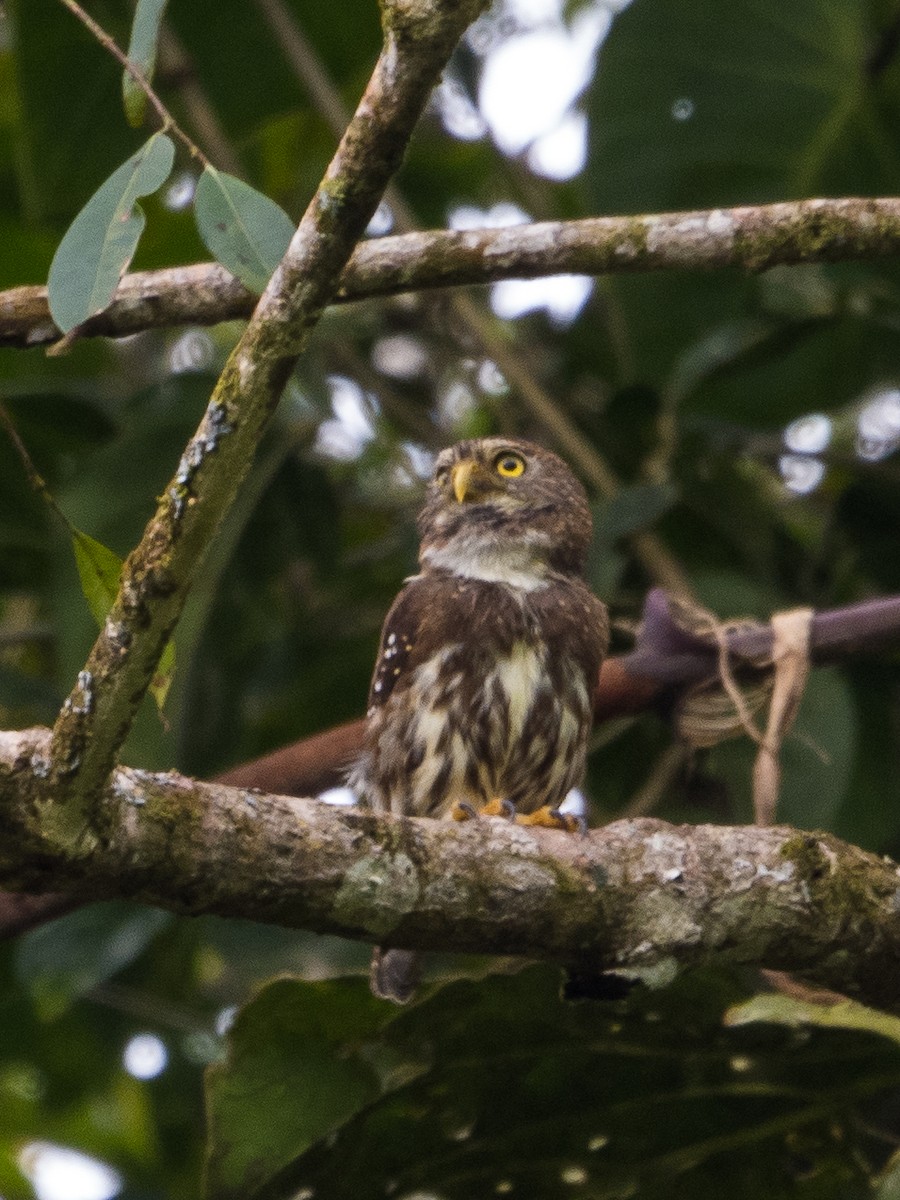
pixel 509 465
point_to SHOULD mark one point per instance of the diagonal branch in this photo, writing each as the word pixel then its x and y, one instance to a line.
pixel 640 897
pixel 751 238
pixel 419 38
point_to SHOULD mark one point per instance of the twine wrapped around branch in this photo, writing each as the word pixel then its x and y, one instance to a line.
pixel 720 708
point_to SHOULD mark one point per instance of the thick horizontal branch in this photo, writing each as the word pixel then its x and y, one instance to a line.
pixel 750 237
pixel 636 897
pixel 665 661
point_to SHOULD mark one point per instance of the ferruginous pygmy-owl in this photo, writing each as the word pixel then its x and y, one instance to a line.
pixel 481 700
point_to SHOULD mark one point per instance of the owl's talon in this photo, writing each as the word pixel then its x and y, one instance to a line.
pixel 571 822
pixel 552 818
pixel 462 810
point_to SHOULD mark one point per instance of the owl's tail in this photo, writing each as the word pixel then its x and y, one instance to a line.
pixel 395 974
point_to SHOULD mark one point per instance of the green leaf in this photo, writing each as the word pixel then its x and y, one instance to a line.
pixel 777 1009
pixel 888 1182
pixel 142 53
pixel 62 143
pixel 687 109
pixel 243 229
pixel 99 570
pixel 633 508
pixel 512 1090
pixel 63 960
pixel 100 242
pixel 162 676
pixel 299 1065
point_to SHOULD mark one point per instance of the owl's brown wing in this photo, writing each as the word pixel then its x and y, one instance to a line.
pixel 401 644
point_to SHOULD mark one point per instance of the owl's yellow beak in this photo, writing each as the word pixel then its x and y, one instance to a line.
pixel 461 478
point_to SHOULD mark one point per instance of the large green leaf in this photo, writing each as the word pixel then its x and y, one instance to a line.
pixel 302 1060
pixel 63 960
pixel 632 509
pixel 100 242
pixel 694 106
pixel 246 231
pixel 142 53
pixel 816 757
pixel 66 137
pixel 249 80
pixel 512 1090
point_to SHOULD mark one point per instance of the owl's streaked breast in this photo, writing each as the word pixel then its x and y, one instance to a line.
pixel 499 715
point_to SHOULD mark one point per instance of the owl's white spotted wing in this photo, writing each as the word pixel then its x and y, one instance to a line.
pixel 399 641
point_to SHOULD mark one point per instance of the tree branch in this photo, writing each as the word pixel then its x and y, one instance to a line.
pixel 666 661
pixel 419 37
pixel 640 897
pixel 752 238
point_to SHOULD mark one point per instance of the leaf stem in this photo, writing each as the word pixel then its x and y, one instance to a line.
pixel 167 120
pixel 35 478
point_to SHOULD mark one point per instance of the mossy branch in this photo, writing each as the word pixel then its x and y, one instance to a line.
pixel 751 238
pixel 643 898
pixel 419 38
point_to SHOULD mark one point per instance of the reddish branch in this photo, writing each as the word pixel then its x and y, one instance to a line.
pixel 666 660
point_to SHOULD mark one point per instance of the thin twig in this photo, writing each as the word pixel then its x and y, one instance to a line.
pixel 306 64
pixel 108 43
pixel 35 478
pixel 662 775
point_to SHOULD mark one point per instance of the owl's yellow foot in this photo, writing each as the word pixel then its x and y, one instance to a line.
pixel 552 818
pixel 463 810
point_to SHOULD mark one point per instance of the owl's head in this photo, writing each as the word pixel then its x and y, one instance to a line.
pixel 502 506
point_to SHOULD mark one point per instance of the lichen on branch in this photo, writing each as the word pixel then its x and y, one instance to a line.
pixel 752 238
pixel 642 898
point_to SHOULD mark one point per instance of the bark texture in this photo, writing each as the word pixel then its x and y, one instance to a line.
pixel 640 897
pixel 750 237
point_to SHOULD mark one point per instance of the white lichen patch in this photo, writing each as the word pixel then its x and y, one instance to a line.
pixel 245 369
pixel 377 891
pixel 781 874
pixel 664 856
pixel 682 240
pixel 666 920
pixel 671 235
pixel 114 631
pixel 719 223
pixel 541 239
pixel 126 786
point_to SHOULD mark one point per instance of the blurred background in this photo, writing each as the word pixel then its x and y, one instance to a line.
pixel 747 424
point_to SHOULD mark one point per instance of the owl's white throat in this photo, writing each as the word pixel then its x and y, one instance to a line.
pixel 473 556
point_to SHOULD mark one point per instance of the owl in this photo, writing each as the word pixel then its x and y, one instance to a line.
pixel 481 699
